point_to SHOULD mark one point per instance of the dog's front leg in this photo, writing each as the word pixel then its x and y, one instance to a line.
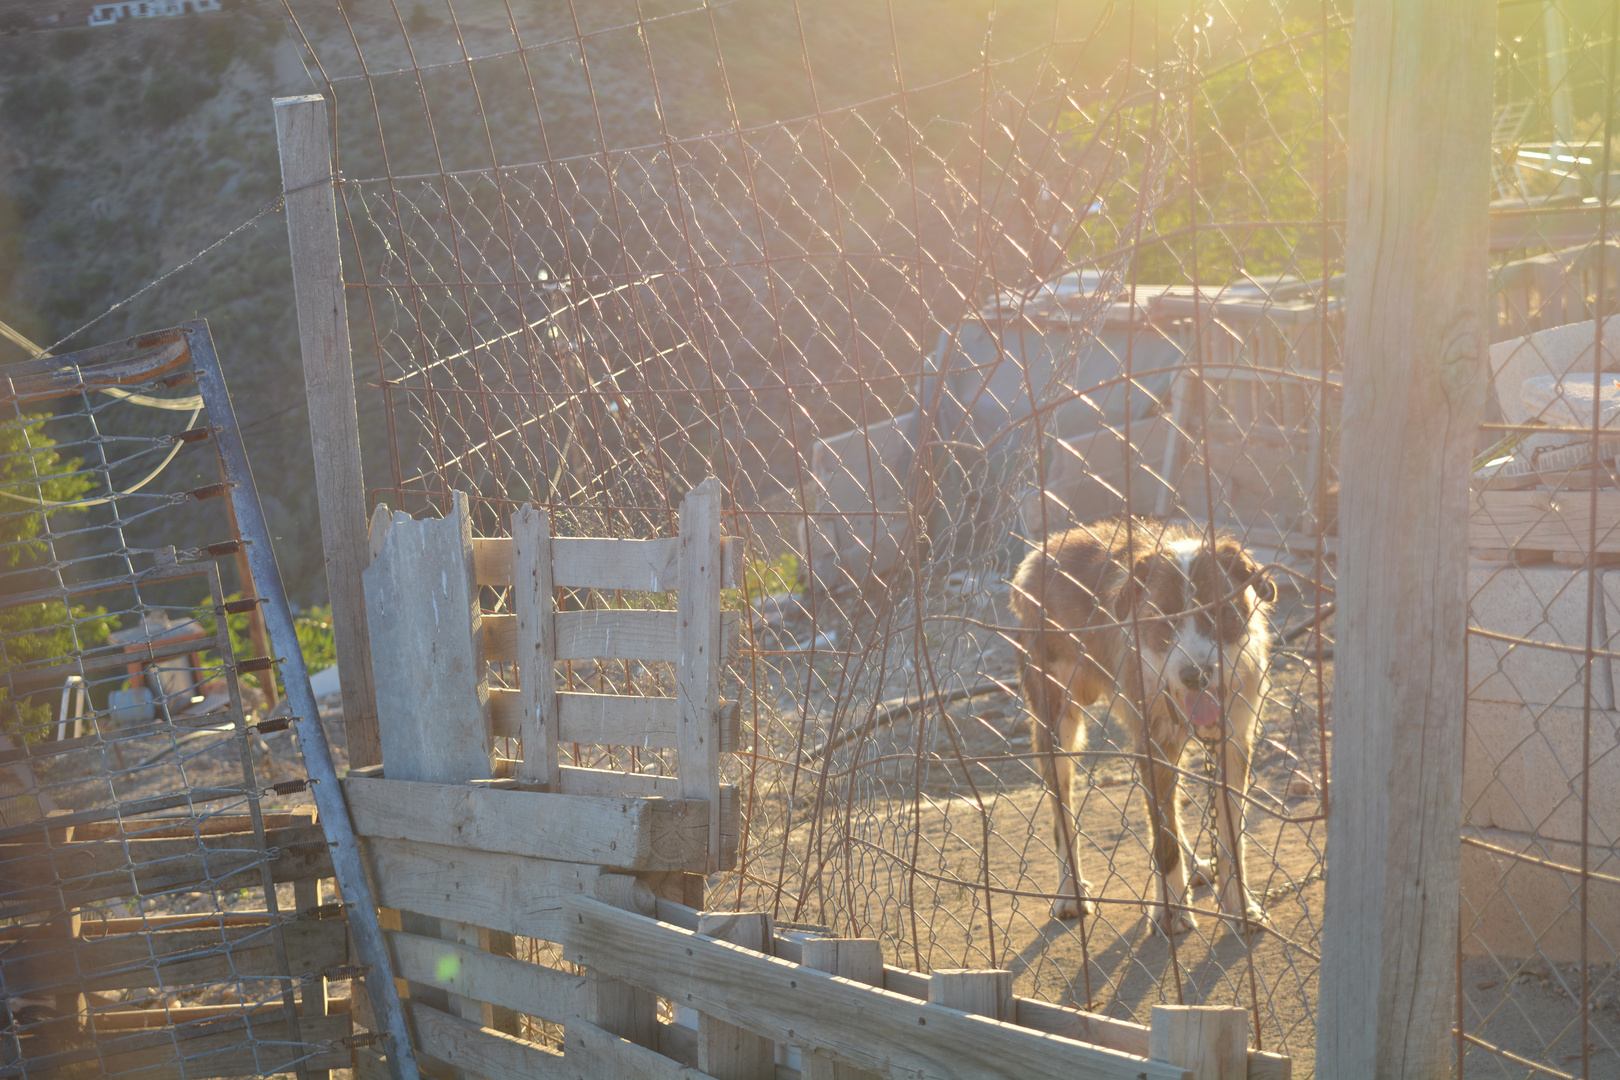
pixel 1171 853
pixel 1073 897
pixel 1231 864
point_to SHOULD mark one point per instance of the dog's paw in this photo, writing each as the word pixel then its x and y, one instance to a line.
pixel 1066 907
pixel 1253 920
pixel 1202 875
pixel 1173 923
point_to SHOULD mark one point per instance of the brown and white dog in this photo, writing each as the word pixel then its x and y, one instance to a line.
pixel 1170 632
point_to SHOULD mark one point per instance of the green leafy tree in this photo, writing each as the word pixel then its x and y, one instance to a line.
pixel 34 477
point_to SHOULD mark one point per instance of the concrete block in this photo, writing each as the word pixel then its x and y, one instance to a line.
pixel 1515 909
pixel 1535 604
pixel 1522 771
pixel 1493 769
pixel 1561 350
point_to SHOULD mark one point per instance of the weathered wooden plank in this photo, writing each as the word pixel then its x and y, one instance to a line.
pixel 611 719
pixel 867 1026
pixel 513 893
pixel 856 959
pixel 223 1049
pixel 1537 520
pixel 597 634
pixel 533 593
pixel 607 564
pixel 531 989
pixel 427 651
pixel 314 997
pixel 728 1051
pixel 167 826
pixel 32 876
pixel 590 1053
pixel 334 425
pixel 982 991
pixel 697 672
pixel 480 1051
pixel 171 958
pixel 1417 333
pixel 51 377
pixel 1123 1035
pixel 634 834
pixel 1210 1040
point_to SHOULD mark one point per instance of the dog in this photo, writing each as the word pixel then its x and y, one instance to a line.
pixel 1171 630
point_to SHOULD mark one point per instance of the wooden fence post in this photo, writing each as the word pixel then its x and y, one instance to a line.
pixel 982 991
pixel 727 1052
pixel 612 1004
pixel 857 959
pixel 334 425
pixel 1212 1041
pixel 697 675
pixel 1417 331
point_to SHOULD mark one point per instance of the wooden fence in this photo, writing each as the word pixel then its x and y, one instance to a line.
pixel 601 872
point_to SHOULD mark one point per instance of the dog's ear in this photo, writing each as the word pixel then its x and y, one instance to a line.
pixel 1134 591
pixel 1244 571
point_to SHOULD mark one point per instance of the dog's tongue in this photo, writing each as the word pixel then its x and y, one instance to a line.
pixel 1201 708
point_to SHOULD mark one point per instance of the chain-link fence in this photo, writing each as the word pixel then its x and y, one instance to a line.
pixel 925 289
pixel 161 868
pixel 1536 987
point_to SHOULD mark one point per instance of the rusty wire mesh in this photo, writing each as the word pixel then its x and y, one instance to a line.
pixel 922 287
pixel 152 817
pixel 1536 985
pixel 1089 267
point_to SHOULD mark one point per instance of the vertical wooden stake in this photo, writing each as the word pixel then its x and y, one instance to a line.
pixel 983 991
pixel 312 997
pixel 334 425
pixel 532 597
pixel 1212 1041
pixel 726 1052
pixel 697 670
pixel 857 959
pixel 612 1004
pixel 1417 331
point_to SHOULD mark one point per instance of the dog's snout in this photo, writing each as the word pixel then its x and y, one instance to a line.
pixel 1194 677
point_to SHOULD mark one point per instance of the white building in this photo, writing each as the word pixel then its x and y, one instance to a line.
pixel 107 14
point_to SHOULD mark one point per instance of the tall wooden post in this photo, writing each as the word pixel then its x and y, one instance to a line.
pixel 334 425
pixel 1414 389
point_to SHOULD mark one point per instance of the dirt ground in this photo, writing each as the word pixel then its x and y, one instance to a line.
pixel 962 876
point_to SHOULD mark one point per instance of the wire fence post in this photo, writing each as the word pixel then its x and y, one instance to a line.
pixel 334 428
pixel 1416 336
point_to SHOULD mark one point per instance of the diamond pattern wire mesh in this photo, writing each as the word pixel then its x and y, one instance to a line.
pixel 160 866
pixel 913 317
pixel 920 288
pixel 1536 984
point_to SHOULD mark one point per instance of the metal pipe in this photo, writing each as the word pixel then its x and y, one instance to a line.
pixel 346 865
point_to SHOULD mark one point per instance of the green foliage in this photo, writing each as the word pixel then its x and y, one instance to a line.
pixel 218 45
pixel 172 93
pixel 315 639
pixel 68 44
pixel 1259 155
pixel 42 105
pixel 767 577
pixel 32 475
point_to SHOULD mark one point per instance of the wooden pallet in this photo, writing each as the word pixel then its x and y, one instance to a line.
pixel 1540 525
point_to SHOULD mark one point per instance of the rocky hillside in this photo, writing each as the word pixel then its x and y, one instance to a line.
pixel 125 150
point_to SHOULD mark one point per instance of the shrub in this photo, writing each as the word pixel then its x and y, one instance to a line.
pixel 32 477
pixel 40 105
pixel 172 94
